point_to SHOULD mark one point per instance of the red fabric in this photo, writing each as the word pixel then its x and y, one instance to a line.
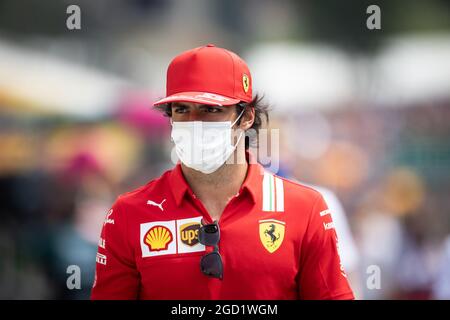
pixel 208 75
pixel 305 266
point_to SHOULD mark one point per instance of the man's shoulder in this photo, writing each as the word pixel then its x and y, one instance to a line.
pixel 298 193
pixel 157 186
pixel 299 188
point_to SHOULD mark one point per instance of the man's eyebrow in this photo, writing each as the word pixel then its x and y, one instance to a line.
pixel 181 104
pixel 209 105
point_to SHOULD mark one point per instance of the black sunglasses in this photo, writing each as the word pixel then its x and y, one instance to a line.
pixel 211 263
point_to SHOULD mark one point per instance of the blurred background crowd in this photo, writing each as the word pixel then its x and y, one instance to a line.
pixel 363 114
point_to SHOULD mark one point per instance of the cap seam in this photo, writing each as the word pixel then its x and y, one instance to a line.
pixel 202 91
pixel 234 73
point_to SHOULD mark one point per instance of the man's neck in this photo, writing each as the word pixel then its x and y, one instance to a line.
pixel 215 189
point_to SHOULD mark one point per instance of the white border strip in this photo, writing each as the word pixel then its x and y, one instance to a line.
pixel 272 220
pixel 280 194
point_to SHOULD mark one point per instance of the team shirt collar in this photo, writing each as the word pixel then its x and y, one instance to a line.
pixel 253 180
pixel 178 184
pixel 250 187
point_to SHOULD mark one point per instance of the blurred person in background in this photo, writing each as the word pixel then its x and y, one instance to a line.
pixel 217 226
pixel 441 283
pixel 74 241
pixel 393 232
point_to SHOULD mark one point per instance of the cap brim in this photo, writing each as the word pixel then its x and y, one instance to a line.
pixel 199 97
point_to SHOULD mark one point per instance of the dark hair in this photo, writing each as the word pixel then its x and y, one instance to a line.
pixel 261 113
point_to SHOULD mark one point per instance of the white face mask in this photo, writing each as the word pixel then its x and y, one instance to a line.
pixel 204 146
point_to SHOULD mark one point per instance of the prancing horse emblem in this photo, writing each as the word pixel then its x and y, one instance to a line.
pixel 271 233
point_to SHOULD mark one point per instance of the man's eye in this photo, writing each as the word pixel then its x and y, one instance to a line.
pixel 212 109
pixel 180 110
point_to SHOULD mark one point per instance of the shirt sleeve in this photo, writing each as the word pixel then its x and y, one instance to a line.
pixel 321 273
pixel 348 251
pixel 116 276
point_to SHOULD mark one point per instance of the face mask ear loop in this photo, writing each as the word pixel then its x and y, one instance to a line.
pixel 237 119
pixel 171 124
pixel 239 139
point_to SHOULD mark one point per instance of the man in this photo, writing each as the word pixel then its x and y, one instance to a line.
pixel 217 227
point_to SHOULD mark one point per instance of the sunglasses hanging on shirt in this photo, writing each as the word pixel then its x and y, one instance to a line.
pixel 211 263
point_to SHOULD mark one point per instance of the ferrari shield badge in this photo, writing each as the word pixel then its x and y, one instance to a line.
pixel 271 233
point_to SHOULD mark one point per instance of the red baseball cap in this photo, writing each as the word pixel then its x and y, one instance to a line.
pixel 208 75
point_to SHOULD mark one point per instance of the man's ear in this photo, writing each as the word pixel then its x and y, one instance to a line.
pixel 248 117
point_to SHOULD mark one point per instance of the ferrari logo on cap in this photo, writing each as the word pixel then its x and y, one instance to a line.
pixel 245 82
pixel 271 233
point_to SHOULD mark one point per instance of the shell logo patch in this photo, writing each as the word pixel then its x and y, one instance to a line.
pixel 245 82
pixel 271 234
pixel 158 238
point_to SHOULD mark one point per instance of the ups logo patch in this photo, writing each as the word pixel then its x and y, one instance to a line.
pixel 189 233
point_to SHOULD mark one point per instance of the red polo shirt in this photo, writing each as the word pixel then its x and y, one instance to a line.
pixel 277 242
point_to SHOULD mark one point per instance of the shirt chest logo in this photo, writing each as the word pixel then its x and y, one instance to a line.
pixel 189 233
pixel 271 234
pixel 170 237
pixel 159 205
pixel 158 238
